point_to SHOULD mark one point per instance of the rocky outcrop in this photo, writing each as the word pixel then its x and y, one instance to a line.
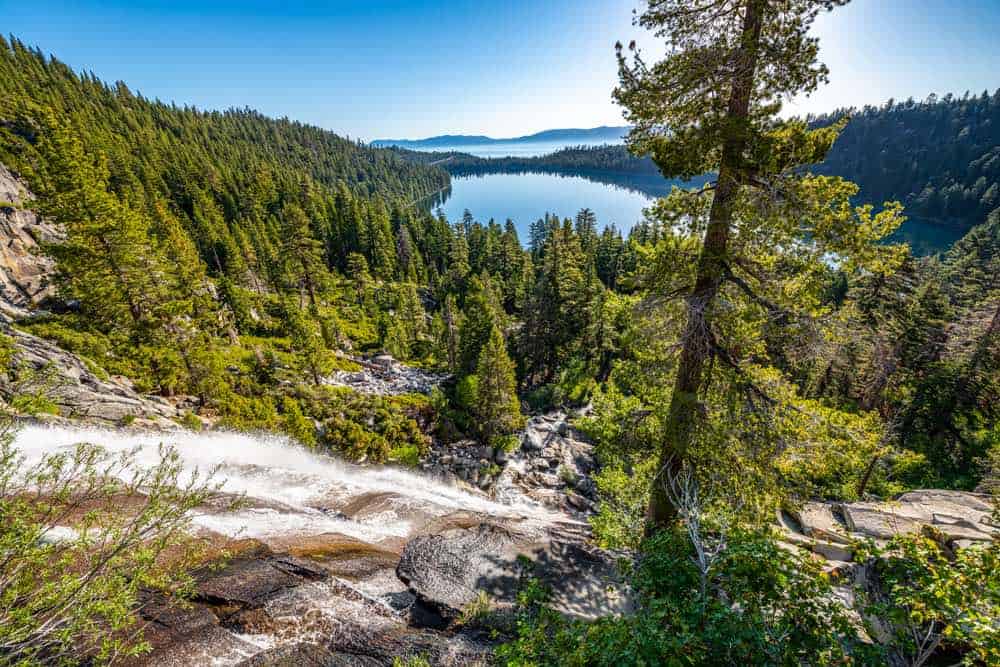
pixel 25 273
pixel 253 578
pixel 829 530
pixel 384 376
pixel 77 389
pixel 552 466
pixel 448 571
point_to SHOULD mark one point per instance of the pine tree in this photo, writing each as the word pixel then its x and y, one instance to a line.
pixel 450 324
pixel 719 90
pixel 498 410
pixel 302 253
pixel 482 313
pixel 109 260
pixel 357 271
pixel 307 341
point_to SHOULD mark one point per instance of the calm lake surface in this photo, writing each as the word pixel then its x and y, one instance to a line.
pixel 512 148
pixel 526 197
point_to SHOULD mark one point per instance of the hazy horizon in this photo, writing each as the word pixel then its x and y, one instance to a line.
pixel 405 70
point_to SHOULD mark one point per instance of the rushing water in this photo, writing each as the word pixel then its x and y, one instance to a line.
pixel 290 490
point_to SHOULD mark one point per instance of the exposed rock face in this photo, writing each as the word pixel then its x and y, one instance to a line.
pixel 552 466
pixel 384 376
pixel 25 273
pixel 828 529
pixel 78 391
pixel 252 579
pixel 447 571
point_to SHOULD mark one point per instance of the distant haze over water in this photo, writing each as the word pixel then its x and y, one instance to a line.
pixel 541 143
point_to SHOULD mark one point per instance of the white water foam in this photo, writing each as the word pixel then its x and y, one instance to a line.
pixel 273 469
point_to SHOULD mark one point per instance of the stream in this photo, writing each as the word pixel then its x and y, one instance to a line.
pixel 353 520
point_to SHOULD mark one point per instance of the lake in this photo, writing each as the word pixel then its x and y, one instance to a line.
pixel 511 148
pixel 618 200
pixel 526 197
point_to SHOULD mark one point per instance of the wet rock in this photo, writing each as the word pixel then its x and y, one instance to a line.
pixel 447 571
pixel 183 634
pixel 306 654
pixel 249 580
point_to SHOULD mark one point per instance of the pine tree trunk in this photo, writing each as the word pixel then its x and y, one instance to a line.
pixel 695 351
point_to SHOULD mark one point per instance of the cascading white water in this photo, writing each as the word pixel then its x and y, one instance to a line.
pixel 290 489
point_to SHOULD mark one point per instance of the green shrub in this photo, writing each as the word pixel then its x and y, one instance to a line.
pixel 296 424
pixel 87 583
pixel 191 422
pixel 928 598
pixel 408 455
pixel 760 605
pixel 354 441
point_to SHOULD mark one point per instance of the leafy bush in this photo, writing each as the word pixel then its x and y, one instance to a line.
pixel 74 561
pixel 786 614
pixel 929 599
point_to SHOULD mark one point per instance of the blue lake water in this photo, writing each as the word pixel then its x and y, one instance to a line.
pixel 511 148
pixel 526 197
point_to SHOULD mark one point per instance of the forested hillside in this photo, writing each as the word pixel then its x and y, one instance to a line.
pixel 612 158
pixel 939 157
pixel 753 346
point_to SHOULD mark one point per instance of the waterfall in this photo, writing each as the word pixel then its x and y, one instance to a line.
pixel 289 489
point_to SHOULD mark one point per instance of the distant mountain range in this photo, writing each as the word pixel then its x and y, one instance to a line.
pixel 571 136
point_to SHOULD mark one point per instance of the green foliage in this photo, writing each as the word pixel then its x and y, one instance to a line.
pixel 75 564
pixel 927 599
pixel 372 428
pixel 785 615
pixel 296 424
pixel 497 409
pixel 191 422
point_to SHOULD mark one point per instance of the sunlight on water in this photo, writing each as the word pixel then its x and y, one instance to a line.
pixel 272 470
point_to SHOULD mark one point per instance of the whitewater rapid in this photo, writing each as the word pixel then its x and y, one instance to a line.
pixel 289 489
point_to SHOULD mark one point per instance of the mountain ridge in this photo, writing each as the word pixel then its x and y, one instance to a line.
pixel 609 133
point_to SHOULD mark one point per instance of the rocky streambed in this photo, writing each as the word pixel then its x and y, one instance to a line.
pixel 336 564
pixel 340 564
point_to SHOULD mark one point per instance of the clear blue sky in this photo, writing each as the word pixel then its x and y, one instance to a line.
pixel 393 69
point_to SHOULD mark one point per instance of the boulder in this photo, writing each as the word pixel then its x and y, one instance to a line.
pixel 818 520
pixel 447 571
pixel 955 514
pixel 249 580
pixel 979 502
pixel 878 520
pixel 533 440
